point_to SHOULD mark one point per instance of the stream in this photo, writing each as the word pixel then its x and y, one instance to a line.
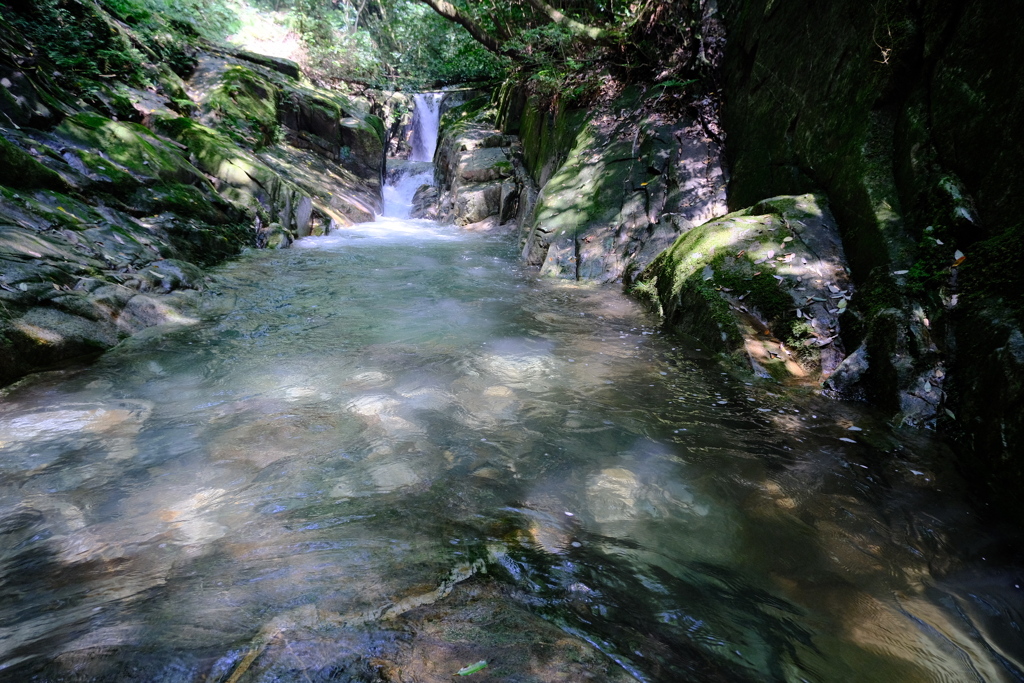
pixel 393 452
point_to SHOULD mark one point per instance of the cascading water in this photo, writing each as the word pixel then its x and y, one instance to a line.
pixel 407 177
pixel 426 117
pixel 399 192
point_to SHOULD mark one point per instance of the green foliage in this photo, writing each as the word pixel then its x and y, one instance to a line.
pixel 78 39
pixel 212 20
pixel 88 42
pixel 402 44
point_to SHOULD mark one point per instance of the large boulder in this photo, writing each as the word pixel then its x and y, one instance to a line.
pixel 768 283
pixel 474 162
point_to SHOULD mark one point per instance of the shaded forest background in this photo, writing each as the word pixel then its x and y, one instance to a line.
pixel 571 51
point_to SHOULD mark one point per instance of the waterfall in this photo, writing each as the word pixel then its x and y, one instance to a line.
pixel 426 117
pixel 402 185
pixel 407 176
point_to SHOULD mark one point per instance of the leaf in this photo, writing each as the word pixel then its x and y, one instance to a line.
pixel 787 239
pixel 950 413
pixel 900 272
pixel 472 668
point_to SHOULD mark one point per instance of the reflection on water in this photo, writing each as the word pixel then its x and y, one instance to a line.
pixel 392 454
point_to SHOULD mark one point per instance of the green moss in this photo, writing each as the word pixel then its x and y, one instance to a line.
pixel 464 113
pixel 377 124
pixel 695 289
pixel 184 200
pixel 132 146
pixel 20 169
pixel 765 294
pixel 246 104
pixel 121 183
pixel 992 270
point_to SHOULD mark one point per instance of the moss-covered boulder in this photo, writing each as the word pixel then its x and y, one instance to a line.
pixel 906 115
pixel 337 127
pixel 18 168
pixel 768 283
pixel 134 148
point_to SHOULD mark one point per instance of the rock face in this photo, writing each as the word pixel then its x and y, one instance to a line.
pixel 474 168
pixel 768 283
pixel 617 186
pixel 906 115
pixel 110 207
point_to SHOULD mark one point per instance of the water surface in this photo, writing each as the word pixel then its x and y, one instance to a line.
pixel 391 453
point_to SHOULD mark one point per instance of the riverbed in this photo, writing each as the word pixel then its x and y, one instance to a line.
pixel 392 452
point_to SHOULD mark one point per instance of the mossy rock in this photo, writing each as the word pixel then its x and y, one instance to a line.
pixel 769 282
pixel 246 105
pixel 132 146
pixel 19 169
pixel 335 126
pixel 281 65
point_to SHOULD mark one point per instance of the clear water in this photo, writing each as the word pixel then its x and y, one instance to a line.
pixel 391 453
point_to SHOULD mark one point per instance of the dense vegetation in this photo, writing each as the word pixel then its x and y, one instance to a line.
pixel 570 49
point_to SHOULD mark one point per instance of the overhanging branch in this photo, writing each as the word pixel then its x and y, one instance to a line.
pixel 452 13
pixel 593 33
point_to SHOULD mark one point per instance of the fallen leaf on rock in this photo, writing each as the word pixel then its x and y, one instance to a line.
pixel 472 668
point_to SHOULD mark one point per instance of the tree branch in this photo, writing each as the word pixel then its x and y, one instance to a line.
pixel 452 13
pixel 593 33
